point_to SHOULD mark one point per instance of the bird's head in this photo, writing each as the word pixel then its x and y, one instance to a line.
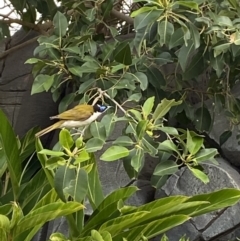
pixel 101 108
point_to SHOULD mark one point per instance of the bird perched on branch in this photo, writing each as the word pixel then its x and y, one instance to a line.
pixel 80 115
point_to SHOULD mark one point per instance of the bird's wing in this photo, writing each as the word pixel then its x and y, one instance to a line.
pixel 75 113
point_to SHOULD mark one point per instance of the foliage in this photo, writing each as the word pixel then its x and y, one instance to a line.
pixel 181 53
pixel 27 203
pixel 75 175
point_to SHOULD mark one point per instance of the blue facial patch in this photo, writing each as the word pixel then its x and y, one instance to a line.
pixel 102 108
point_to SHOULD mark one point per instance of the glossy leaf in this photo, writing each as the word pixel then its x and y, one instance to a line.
pixel 51 153
pixel 60 24
pixel 94 144
pixel 199 174
pixel 168 167
pixel 205 154
pixel 78 187
pixel 123 141
pixel 165 31
pixel 141 128
pixel 224 137
pixel 168 146
pixel 203 120
pixel 65 139
pixel 11 152
pixel 163 108
pixel 194 142
pixel 44 214
pixel 114 153
pixel 155 77
pixel 86 85
pixel 137 160
pixel 98 130
pixel 184 54
pixel 122 54
pixel 147 106
pixel 146 18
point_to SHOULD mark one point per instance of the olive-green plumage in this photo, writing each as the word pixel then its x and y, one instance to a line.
pixel 80 115
pixel 79 112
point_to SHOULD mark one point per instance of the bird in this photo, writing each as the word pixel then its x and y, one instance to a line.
pixel 80 115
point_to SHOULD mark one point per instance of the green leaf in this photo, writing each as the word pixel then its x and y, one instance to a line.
pixel 90 14
pixel 155 77
pixel 222 48
pixel 4 223
pixel 106 8
pixel 40 216
pixel 147 106
pixel 122 53
pixel 54 162
pixel 63 176
pixel 82 156
pixel 195 67
pixel 98 130
pixel 224 21
pixel 217 63
pixel 142 79
pixel 199 174
pixel 137 160
pixel 65 102
pixel 224 137
pixel 49 81
pixel 177 38
pixel 142 10
pixel 123 141
pixel 136 114
pixel 51 153
pixel 205 154
pixel 147 18
pixel 40 83
pixel 60 23
pixel 86 86
pixel 108 121
pixel 78 187
pixel 165 31
pixel 66 139
pixel 168 146
pixel 94 144
pixel 114 153
pixel 185 53
pixel 194 142
pixel 163 108
pixel 135 97
pixel 169 130
pixel 33 61
pixel 203 120
pixel 95 192
pixel 194 34
pixel 188 4
pixel 218 200
pixel 141 128
pixel 9 146
pixel 163 58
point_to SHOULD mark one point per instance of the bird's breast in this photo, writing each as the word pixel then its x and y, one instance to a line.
pixel 76 123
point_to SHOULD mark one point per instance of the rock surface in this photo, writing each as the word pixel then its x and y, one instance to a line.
pixel 216 224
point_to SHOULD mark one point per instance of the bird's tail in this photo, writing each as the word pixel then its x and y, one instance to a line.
pixel 48 129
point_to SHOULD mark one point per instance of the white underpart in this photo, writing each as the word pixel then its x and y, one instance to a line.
pixel 75 124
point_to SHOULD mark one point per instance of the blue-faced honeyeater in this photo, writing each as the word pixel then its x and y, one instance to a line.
pixel 80 115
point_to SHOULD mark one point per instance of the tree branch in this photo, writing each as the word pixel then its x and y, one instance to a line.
pixel 121 16
pixel 7 52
